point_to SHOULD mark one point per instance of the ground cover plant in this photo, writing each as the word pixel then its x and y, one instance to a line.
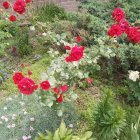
pixel 70 75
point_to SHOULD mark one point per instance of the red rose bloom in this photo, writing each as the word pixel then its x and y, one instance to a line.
pixel 64 88
pixel 27 86
pixel 6 4
pixel 45 85
pixel 124 25
pixel 60 98
pixel 29 72
pixel 118 14
pixel 12 18
pixel 67 47
pixel 28 1
pixel 78 39
pixel 18 76
pixel 115 31
pixel 19 6
pixel 76 54
pixel 56 90
pixel 133 35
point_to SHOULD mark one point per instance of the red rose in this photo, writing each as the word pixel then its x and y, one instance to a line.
pixel 12 18
pixel 28 1
pixel 45 85
pixel 76 54
pixel 56 90
pixel 118 14
pixel 78 39
pixel 18 76
pixel 115 30
pixel 29 72
pixel 60 98
pixel 67 47
pixel 133 35
pixel 124 24
pixel 19 6
pixel 27 86
pixel 6 4
pixel 64 88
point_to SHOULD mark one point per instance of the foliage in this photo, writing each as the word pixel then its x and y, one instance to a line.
pixel 63 133
pixel 22 41
pixel 26 118
pixel 49 12
pixel 109 118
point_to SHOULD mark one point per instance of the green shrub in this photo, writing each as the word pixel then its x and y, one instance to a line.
pixel 63 133
pixel 109 118
pixel 22 41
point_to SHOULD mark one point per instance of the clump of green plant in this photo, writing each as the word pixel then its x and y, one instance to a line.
pixel 63 133
pixel 22 41
pixel 49 12
pixel 109 118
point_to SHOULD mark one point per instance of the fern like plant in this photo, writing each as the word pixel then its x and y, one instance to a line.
pixel 63 133
pixel 109 118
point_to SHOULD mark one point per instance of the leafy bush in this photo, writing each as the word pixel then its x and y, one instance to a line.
pixel 109 118
pixel 63 133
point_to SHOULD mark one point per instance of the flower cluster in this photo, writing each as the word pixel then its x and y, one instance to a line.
pixel 122 26
pixel 19 7
pixel 28 86
pixel 76 54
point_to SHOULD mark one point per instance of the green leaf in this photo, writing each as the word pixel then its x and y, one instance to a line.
pixel 56 135
pixel 62 130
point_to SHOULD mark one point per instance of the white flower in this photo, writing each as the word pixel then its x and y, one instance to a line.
pixel 133 75
pixel 24 138
pixel 9 126
pixel 9 99
pixel 71 125
pixel 2 117
pixel 32 119
pixel 6 119
pixel 32 28
pixel 13 125
pixel 24 112
pixel 5 108
pixel 0 122
pixel 44 34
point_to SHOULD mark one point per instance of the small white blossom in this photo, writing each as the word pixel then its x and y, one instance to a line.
pixel 32 28
pixel 2 117
pixel 13 125
pixel 6 119
pixel 24 112
pixel 5 108
pixel 9 126
pixel 0 122
pixel 32 119
pixel 133 75
pixel 44 34
pixel 71 125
